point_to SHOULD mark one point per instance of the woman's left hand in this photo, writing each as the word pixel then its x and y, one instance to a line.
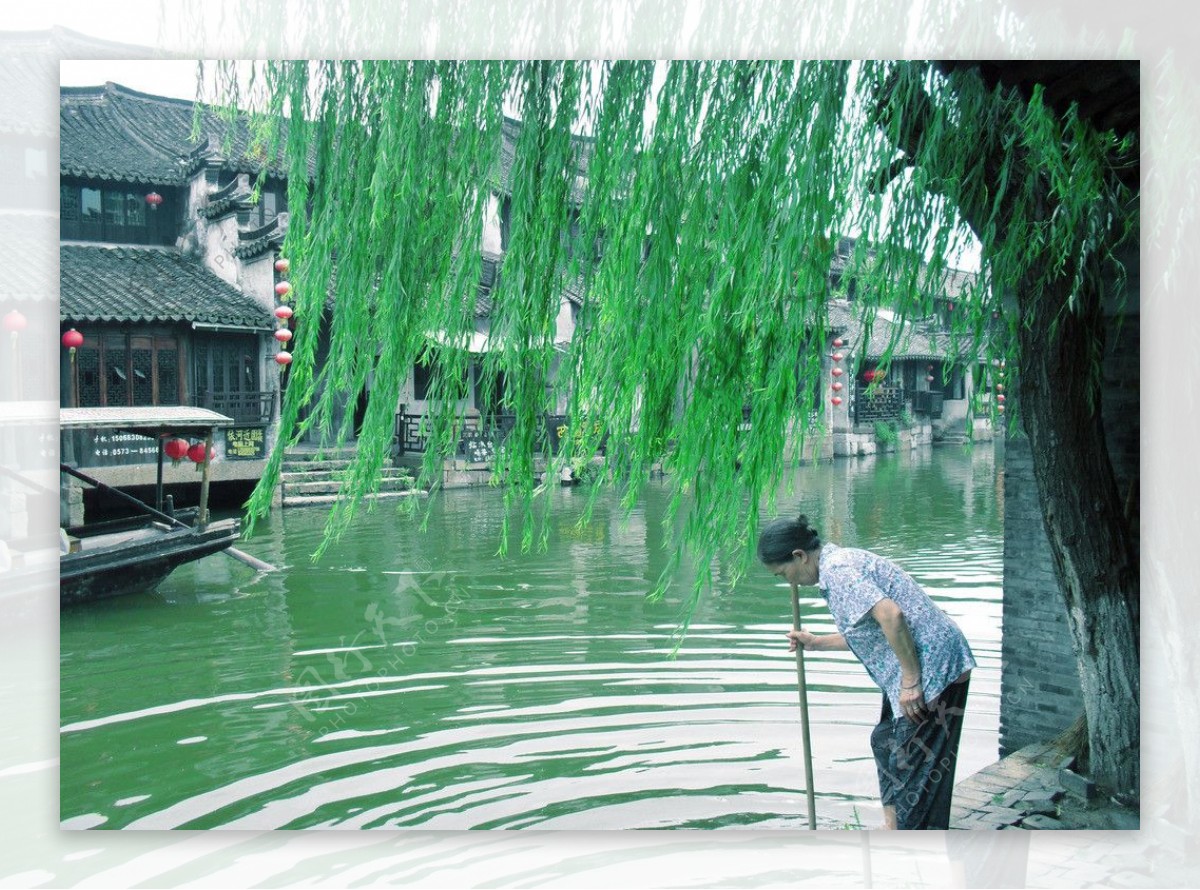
pixel 912 703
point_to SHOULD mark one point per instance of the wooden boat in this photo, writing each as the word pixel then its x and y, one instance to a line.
pixel 133 555
pixel 136 560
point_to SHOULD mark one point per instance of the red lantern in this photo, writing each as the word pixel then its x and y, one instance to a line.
pixel 837 387
pixel 15 322
pixel 176 449
pixel 283 335
pixel 154 199
pixel 837 356
pixel 950 306
pixel 838 343
pixel 72 339
pixel 1000 408
pixel 837 400
pixel 929 367
pixel 999 387
pixel 999 398
pixel 284 312
pixel 196 453
pixel 929 379
pixel 283 358
pixel 837 372
pixel 282 266
pixel 283 289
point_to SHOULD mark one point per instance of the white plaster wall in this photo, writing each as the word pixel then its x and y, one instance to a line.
pixel 838 416
pixel 258 279
pixel 954 413
pixel 491 225
pixel 564 324
pixel 220 237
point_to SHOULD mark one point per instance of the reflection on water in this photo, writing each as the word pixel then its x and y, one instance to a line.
pixel 414 679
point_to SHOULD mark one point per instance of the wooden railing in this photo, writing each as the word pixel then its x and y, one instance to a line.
pixel 882 403
pixel 479 435
pixel 255 408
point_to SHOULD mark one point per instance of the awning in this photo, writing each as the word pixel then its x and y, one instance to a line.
pixel 478 343
pixel 148 421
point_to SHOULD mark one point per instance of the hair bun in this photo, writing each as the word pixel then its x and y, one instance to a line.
pixel 782 537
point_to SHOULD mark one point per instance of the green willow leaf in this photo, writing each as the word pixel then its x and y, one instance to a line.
pixel 695 209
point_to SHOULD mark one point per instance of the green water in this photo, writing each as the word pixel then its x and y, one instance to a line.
pixel 419 680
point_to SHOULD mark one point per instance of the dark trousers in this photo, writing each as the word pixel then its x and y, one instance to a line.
pixel 916 761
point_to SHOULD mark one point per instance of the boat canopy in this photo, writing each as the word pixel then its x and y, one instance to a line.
pixel 148 421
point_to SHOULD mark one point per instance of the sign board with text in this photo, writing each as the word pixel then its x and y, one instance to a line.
pixel 245 443
pixel 111 448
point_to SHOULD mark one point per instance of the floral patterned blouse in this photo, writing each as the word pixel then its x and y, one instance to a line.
pixel 852 581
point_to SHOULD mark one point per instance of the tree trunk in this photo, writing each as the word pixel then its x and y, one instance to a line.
pixel 1085 524
pixel 1060 402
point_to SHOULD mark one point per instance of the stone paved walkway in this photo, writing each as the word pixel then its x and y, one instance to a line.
pixel 1029 790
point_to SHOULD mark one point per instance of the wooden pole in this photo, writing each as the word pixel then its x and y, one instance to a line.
pixel 202 519
pixel 253 561
pixel 808 764
pixel 158 480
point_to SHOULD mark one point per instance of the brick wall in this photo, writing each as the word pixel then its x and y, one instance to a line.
pixel 1039 685
pixel 1039 680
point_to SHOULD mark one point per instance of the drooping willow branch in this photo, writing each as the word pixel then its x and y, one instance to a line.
pixel 694 207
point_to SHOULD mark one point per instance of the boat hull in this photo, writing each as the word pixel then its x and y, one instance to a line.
pixel 134 566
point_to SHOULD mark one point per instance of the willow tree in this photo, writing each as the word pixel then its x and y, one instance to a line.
pixel 696 206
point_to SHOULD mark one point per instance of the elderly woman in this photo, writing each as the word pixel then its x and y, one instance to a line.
pixel 913 651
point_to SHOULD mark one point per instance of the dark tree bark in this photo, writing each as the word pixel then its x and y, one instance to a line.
pixel 1085 523
pixel 1060 401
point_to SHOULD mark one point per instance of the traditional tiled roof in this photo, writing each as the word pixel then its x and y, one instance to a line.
pixel 28 241
pixel 510 132
pixel 253 242
pixel 920 340
pixel 951 284
pixel 148 284
pixel 224 200
pixel 29 75
pixel 118 134
pixel 575 290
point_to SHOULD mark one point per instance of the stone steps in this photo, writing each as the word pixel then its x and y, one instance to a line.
pixel 295 474
pixel 316 477
pixel 309 500
pixel 334 486
pixel 312 464
pixel 309 455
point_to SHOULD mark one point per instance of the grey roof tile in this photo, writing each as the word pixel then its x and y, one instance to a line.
pixel 146 284
pixel 114 133
pixel 27 242
pixel 915 340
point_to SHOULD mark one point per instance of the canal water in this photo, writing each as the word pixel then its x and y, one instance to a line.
pixel 415 679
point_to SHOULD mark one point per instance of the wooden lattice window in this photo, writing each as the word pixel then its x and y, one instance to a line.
pixel 119 368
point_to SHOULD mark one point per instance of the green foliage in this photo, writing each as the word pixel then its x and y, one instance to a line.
pixel 887 432
pixel 855 824
pixel 713 198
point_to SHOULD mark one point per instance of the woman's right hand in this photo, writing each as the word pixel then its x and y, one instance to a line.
pixel 800 638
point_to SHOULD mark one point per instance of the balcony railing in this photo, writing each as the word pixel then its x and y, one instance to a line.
pixel 480 436
pixel 881 403
pixel 254 408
